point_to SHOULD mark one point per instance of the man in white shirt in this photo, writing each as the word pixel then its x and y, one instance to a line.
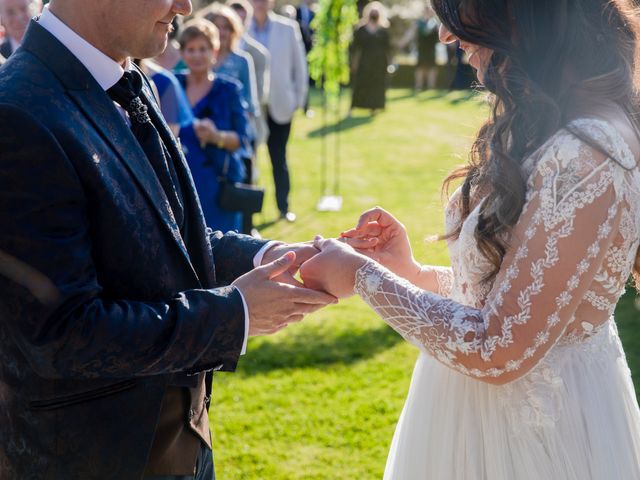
pixel 15 16
pixel 287 89
pixel 116 301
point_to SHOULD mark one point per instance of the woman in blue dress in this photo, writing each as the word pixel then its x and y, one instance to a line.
pixel 234 63
pixel 219 134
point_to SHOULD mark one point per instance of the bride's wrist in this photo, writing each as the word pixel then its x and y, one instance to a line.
pixel 412 271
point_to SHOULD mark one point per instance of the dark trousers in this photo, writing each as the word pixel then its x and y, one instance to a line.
pixel 277 145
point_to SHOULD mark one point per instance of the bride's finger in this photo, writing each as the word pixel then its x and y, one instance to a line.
pixel 376 214
pixel 372 229
pixel 361 243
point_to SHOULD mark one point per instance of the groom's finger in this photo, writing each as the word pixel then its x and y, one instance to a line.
pixel 289 279
pixel 306 308
pixel 279 266
pixel 309 296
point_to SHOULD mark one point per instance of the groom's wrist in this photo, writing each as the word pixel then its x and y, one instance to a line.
pixel 259 257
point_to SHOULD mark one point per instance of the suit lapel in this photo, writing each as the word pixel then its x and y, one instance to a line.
pixel 167 136
pixel 101 112
pixel 114 130
pixel 271 38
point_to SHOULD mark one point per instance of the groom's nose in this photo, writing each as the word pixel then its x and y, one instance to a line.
pixel 182 7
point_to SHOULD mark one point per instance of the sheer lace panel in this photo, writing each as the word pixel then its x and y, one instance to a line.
pixel 444 279
pixel 570 255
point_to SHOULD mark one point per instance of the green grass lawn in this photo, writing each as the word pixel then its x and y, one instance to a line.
pixel 320 399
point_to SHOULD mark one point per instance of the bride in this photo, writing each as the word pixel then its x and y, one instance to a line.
pixel 521 374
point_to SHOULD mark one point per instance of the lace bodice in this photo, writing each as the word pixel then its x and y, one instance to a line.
pixel 569 258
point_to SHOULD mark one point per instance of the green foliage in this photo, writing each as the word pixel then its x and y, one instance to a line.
pixel 329 57
pixel 320 399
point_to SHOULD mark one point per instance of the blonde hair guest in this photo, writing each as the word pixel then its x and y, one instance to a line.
pixel 375 13
pixel 230 60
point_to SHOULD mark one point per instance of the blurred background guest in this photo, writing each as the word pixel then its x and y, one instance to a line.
pixel 426 35
pixel 370 57
pixel 215 141
pixel 288 11
pixel 15 16
pixel 304 17
pixel 237 64
pixel 261 60
pixel 230 60
pixel 173 100
pixel 287 89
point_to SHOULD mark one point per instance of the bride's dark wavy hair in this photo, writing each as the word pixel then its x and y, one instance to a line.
pixel 549 56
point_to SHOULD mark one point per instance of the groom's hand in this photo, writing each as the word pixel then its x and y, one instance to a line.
pixel 303 251
pixel 272 304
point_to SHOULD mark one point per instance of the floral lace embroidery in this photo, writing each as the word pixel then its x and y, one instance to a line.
pixel 535 400
pixel 491 330
pixel 444 276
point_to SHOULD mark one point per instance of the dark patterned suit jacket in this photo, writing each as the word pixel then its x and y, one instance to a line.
pixel 102 300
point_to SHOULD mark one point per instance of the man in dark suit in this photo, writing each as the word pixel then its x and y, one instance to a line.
pixel 15 16
pixel 116 302
pixel 304 17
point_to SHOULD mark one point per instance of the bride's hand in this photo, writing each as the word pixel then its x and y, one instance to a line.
pixel 333 270
pixel 381 236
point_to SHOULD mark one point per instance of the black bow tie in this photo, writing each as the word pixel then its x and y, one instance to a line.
pixel 127 94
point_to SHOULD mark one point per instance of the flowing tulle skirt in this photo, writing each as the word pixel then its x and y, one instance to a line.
pixel 574 417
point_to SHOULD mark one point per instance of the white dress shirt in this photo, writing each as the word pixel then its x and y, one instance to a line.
pixel 14 44
pixel 107 72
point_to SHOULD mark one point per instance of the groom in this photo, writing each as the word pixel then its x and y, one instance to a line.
pixel 116 302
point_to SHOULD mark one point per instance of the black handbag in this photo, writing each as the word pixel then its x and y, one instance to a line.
pixel 239 197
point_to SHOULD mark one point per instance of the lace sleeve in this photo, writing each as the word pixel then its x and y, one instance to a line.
pixel 440 279
pixel 572 213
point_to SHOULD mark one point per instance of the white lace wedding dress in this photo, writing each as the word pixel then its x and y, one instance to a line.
pixel 524 378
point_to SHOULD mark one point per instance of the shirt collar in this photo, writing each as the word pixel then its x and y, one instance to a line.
pixel 104 69
pixel 265 25
pixel 14 44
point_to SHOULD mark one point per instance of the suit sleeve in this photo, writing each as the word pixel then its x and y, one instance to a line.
pixel 51 300
pixel 250 85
